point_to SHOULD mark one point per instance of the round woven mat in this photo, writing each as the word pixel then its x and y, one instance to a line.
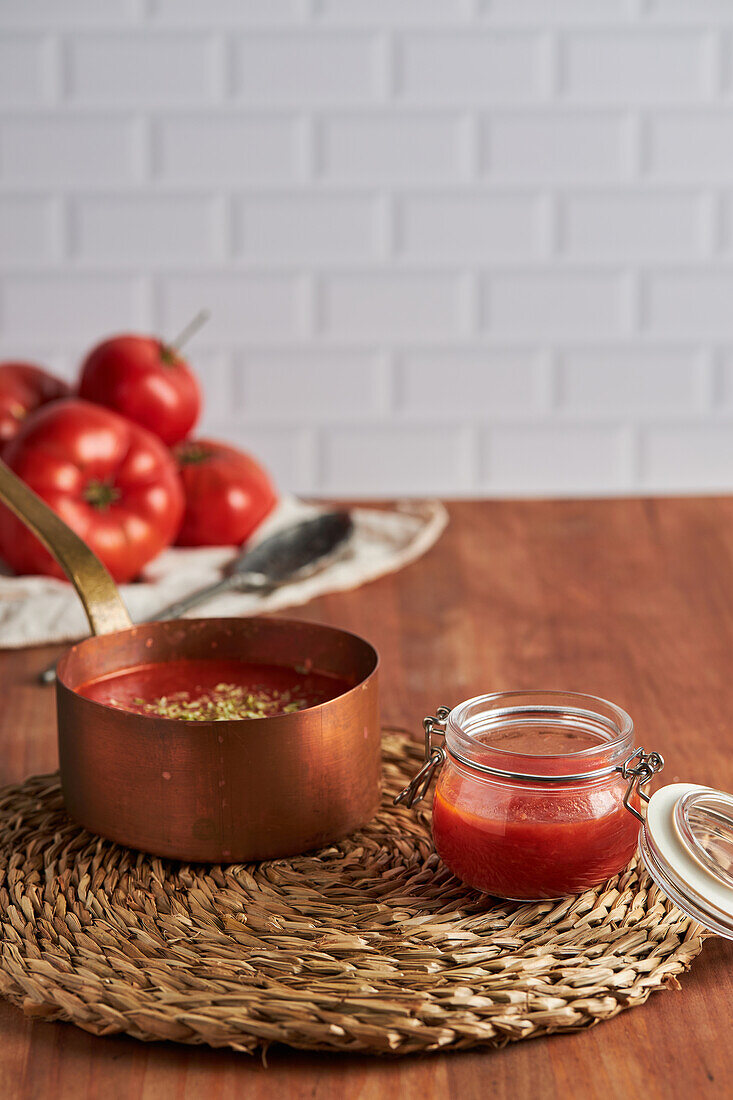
pixel 369 945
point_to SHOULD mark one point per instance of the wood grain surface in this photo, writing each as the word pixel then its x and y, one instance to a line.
pixel 632 600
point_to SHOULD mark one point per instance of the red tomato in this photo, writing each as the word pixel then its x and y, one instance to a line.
pixel 227 494
pixel 114 483
pixel 23 387
pixel 146 381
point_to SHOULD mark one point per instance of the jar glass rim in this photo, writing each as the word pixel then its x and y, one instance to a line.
pixel 469 723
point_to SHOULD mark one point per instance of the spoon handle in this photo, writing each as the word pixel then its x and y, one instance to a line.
pixel 193 599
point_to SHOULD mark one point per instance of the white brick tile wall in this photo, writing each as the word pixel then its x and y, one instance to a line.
pixel 69 306
pixel 636 225
pixel 140 68
pixel 392 12
pixel 312 228
pixel 334 384
pixel 169 228
pixel 224 12
pixel 421 306
pixel 309 68
pixel 682 456
pixel 470 385
pixel 691 145
pixel 289 453
pixel 29 230
pixel 471 68
pixel 638 383
pixel 354 459
pixel 482 228
pixel 57 150
pixel 539 12
pixel 555 146
pixel 634 66
pixel 71 14
pixel 528 305
pixel 393 147
pixel 690 303
pixel 265 306
pixel 506 225
pixel 25 69
pixel 221 149
pixel 555 458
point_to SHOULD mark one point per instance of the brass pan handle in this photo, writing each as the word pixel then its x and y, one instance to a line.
pixel 97 591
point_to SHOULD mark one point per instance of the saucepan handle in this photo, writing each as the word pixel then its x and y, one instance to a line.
pixel 97 591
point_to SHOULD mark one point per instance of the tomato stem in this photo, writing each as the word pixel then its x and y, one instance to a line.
pixel 168 352
pixel 101 494
pixel 190 453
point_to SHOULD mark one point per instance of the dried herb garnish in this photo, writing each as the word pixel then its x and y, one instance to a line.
pixel 226 702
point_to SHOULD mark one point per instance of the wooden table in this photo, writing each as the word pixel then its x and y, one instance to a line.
pixel 632 600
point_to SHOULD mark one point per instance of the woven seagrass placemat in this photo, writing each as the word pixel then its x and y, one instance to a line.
pixel 369 945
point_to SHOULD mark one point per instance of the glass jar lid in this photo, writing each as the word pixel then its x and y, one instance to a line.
pixel 686 845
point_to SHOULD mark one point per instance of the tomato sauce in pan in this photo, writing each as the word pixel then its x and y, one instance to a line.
pixel 213 690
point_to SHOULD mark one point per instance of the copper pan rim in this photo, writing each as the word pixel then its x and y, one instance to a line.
pixel 133 632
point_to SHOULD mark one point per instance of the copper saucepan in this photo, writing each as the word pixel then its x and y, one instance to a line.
pixel 225 791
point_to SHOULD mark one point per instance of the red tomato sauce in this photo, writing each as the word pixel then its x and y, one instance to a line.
pixel 528 841
pixel 143 687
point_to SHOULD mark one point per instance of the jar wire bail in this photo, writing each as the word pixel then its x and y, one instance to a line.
pixel 417 788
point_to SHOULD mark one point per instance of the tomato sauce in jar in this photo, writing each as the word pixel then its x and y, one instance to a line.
pixel 530 802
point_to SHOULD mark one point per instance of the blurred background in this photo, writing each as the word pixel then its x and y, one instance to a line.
pixel 457 247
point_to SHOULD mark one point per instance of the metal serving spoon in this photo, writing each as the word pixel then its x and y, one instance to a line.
pixel 294 552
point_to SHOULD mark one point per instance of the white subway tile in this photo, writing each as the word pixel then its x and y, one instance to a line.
pixel 688 456
pixel 634 225
pixel 636 66
pixel 559 11
pixel 470 67
pixel 243 307
pixel 119 229
pixel 725 230
pixel 307 227
pixel 470 227
pixel 225 12
pixel 691 145
pixel 694 303
pixel 391 305
pixel 222 149
pixel 695 10
pixel 555 304
pixel 632 382
pixel 70 13
pixel 394 460
pixel 724 394
pixel 477 385
pixel 25 69
pixel 306 68
pixel 140 69
pixel 552 146
pixel 392 12
pixel 556 458
pixel 394 147
pixel 28 229
pixel 58 150
pixel 84 308
pixel 285 452
pixel 321 385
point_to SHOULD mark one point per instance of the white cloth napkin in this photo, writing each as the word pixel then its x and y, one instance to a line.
pixel 36 610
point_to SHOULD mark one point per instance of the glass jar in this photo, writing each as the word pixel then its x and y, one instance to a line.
pixel 539 793
pixel 540 797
